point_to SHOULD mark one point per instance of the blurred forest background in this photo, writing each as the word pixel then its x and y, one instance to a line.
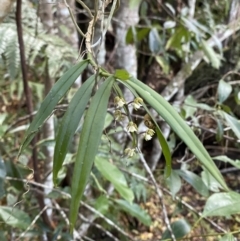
pixel 187 51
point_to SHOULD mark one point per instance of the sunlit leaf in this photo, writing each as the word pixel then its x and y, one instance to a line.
pixel 55 94
pixel 134 210
pixel 180 228
pixel 211 55
pixel 88 145
pixel 115 176
pixel 222 204
pixel 167 112
pixel 233 123
pixel 70 123
pixel 224 90
pixel 14 217
pixel 121 74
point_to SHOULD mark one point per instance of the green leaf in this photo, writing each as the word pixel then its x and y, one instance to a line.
pixel 12 170
pixel 134 210
pixel 163 63
pixel 102 204
pixel 70 123
pixel 222 204
pixel 211 55
pixel 181 35
pixel 195 181
pixel 15 217
pixel 141 33
pixel 212 184
pixel 115 176
pixel 155 44
pixel 228 160
pixel 88 145
pixel 233 123
pixel 227 237
pixel 174 183
pixel 121 74
pixel 54 96
pixel 169 114
pixel 180 228
pixel 224 90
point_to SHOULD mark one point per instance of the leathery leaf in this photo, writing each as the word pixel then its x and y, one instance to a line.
pixel 169 114
pixel 70 123
pixel 55 94
pixel 89 141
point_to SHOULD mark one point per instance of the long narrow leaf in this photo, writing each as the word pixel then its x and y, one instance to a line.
pixel 55 94
pixel 70 123
pixel 88 145
pixel 168 113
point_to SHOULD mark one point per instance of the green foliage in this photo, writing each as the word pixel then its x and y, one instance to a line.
pixel 115 176
pixel 16 219
pixel 134 210
pixel 222 204
pixel 180 228
pixel 69 124
pixel 88 145
pixel 177 36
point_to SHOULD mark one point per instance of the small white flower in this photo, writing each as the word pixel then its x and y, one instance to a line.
pixel 129 152
pixel 137 103
pixel 119 102
pixel 118 115
pixel 132 127
pixel 148 134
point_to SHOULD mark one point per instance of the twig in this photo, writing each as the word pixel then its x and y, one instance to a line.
pixel 75 233
pixel 159 193
pixel 33 222
pixel 74 20
pixel 99 227
pixel 110 222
